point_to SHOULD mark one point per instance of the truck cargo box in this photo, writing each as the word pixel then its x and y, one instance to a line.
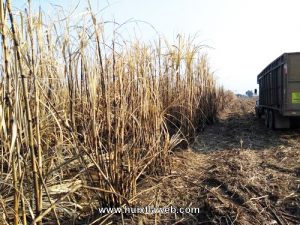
pixel 279 87
pixel 279 84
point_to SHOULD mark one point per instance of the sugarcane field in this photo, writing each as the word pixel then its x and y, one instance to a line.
pixel 149 112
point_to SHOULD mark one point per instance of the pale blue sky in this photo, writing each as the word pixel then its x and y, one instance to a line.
pixel 244 35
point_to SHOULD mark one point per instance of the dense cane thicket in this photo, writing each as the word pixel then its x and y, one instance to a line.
pixel 83 119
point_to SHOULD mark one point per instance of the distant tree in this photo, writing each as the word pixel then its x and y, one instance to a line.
pixel 249 93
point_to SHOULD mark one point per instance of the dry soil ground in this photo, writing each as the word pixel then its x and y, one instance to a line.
pixel 236 172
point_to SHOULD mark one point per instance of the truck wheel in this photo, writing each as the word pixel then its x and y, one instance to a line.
pixel 257 113
pixel 266 118
pixel 271 119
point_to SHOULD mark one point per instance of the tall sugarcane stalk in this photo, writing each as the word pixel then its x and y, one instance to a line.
pixel 24 78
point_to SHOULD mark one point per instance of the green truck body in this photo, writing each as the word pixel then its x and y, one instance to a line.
pixel 279 91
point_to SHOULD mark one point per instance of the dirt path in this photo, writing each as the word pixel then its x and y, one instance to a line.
pixel 236 172
pixel 237 129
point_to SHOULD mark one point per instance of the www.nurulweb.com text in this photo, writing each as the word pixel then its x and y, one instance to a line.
pixel 148 210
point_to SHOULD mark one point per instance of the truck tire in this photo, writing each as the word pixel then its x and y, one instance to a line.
pixel 271 119
pixel 266 117
pixel 257 113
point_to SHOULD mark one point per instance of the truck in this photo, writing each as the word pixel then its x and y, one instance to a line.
pixel 279 92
